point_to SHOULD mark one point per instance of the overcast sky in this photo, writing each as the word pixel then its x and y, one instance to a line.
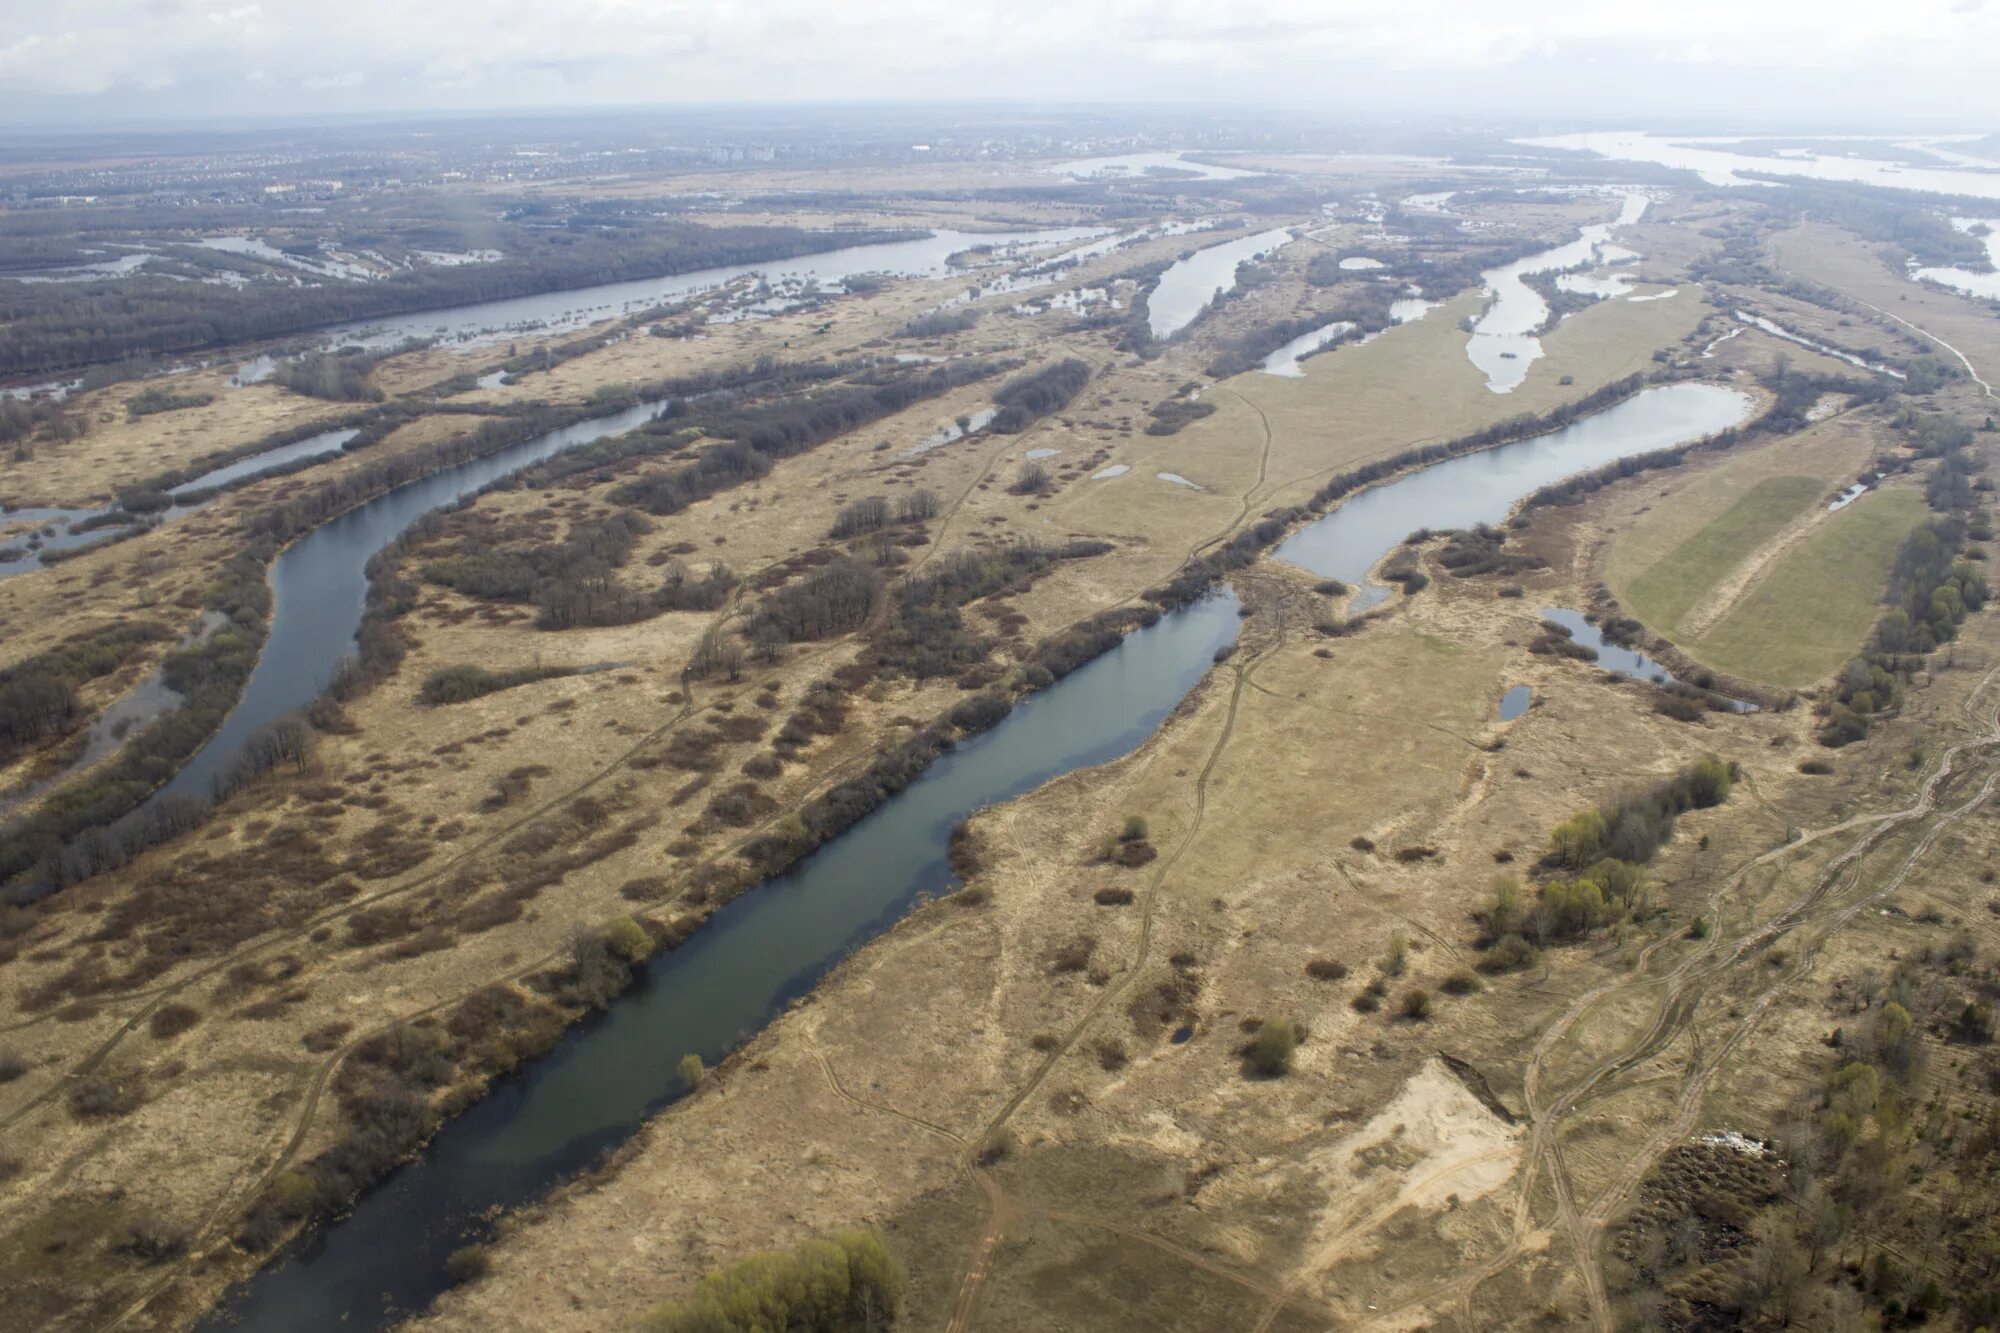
pixel 1929 62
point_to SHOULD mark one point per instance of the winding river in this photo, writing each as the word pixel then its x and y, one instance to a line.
pixel 756 954
pixel 59 530
pixel 1504 342
pixel 1186 288
pixel 773 944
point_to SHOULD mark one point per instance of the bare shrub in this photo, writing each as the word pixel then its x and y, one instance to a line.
pixel 170 1020
pixel 1074 956
pixel 99 1097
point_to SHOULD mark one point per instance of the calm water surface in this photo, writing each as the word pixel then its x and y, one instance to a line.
pixel 757 954
pixel 1483 487
pixel 1185 290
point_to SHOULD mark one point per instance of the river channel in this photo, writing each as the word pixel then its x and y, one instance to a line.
pixel 924 257
pixel 774 943
pixel 737 973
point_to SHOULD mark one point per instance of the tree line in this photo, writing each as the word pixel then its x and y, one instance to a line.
pixel 61 326
pixel 1028 398
pixel 759 434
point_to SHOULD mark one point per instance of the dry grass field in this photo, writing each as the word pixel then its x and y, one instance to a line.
pixel 1042 1089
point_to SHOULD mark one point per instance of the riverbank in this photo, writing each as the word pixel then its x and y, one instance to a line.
pixel 427 820
pixel 1116 1127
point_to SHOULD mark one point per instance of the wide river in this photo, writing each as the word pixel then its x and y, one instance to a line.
pixel 488 320
pixel 774 943
pixel 1717 161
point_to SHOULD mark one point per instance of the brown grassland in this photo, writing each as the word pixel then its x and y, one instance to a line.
pixel 1045 1145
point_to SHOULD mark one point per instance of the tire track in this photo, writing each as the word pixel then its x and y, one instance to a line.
pixel 980 1265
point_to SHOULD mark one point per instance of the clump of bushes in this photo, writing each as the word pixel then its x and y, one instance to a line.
pixel 1131 847
pixel 468 1263
pixel 1026 399
pixel 1463 981
pixel 939 323
pixel 100 1097
pixel 1604 852
pixel 1033 479
pixel 1633 826
pixel 1171 416
pixel 1074 956
pixel 848 1282
pixel 148 402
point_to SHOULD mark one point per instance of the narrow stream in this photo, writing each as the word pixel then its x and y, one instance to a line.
pixel 758 953
pixel 1622 661
pixel 1777 330
pixel 323 445
pixel 70 529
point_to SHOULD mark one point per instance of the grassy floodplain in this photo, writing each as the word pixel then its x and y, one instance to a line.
pixel 1812 611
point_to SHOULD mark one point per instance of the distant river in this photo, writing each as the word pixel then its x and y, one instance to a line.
pixel 492 320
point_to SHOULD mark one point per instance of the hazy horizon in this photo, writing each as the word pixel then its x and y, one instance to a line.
pixel 1845 65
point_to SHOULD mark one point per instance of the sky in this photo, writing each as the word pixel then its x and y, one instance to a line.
pixel 1903 63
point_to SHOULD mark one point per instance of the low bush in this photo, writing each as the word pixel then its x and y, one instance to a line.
pixel 468 1263
pixel 1074 956
pixel 1270 1054
pixel 1463 981
pixel 98 1097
